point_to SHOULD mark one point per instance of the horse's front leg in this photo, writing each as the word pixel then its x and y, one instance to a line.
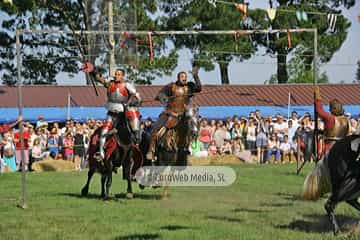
pixel 103 181
pixel 127 175
pixel 330 207
pixel 108 184
pixel 85 189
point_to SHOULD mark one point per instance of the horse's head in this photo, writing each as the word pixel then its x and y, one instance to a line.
pixel 133 118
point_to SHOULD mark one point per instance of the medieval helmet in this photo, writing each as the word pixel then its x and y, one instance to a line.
pixel 336 107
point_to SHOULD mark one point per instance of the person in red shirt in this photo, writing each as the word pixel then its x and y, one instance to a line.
pixel 336 125
pixel 7 127
pixel 26 135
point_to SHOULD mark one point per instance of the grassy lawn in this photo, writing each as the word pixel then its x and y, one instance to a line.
pixel 263 203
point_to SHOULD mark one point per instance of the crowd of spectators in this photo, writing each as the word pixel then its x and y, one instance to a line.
pixel 262 136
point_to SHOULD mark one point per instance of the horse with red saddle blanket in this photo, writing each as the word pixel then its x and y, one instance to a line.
pixel 121 150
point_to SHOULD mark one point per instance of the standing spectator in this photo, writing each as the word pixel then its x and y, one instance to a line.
pixel 236 131
pixel 68 143
pixel 220 135
pixel 213 126
pixel 261 139
pixel 17 141
pixel 291 129
pixel 295 121
pixel 250 142
pixel 53 143
pixel 9 152
pixel 79 142
pixel 280 127
pixel 273 149
pixel 205 134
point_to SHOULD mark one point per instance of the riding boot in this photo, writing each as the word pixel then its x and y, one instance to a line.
pixel 102 142
pixel 150 155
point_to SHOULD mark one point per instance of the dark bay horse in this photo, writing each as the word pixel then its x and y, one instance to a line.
pixel 339 174
pixel 120 150
pixel 173 142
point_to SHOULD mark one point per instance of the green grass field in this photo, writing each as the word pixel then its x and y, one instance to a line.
pixel 263 203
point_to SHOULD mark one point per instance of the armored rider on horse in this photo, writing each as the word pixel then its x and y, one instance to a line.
pixel 176 96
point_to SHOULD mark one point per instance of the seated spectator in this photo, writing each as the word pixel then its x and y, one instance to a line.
pixel 37 153
pixel 273 149
pixel 212 149
pixel 226 148
pixel 285 149
pixel 197 149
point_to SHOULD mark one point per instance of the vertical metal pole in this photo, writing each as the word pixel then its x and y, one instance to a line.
pixel 316 130
pixel 20 106
pixel 111 38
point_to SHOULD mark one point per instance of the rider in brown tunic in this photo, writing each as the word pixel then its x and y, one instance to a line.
pixel 176 96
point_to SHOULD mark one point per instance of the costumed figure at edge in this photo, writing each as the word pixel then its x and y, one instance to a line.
pixel 119 93
pixel 336 125
pixel 176 97
pixel 7 127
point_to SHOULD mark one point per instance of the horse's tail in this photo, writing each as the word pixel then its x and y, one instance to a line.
pixel 317 182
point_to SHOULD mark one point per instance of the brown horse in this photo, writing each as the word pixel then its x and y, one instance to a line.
pixel 121 150
pixel 173 142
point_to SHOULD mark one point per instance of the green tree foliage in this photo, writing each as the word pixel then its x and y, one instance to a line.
pixel 303 43
pixel 209 50
pixel 44 56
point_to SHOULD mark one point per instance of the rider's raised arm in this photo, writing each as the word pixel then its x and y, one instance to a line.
pixel 195 86
pixel 132 91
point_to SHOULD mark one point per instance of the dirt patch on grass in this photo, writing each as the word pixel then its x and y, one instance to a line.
pixel 49 164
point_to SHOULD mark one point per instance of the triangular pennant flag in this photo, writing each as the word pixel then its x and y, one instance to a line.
pixel 271 13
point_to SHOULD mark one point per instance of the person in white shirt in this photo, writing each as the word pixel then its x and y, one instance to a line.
pixel 273 149
pixel 280 127
pixel 285 149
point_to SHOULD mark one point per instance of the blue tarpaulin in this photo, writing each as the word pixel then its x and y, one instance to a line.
pixel 58 114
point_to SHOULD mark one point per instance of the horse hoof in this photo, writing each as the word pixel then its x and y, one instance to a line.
pixel 142 187
pixel 84 192
pixel 164 198
pixel 106 198
pixel 129 195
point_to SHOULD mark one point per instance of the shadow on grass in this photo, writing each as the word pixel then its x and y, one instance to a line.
pixel 274 204
pixel 319 223
pixel 138 237
pixel 175 227
pixel 224 218
pixel 289 197
pixel 249 210
pixel 88 196
pixel 140 196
